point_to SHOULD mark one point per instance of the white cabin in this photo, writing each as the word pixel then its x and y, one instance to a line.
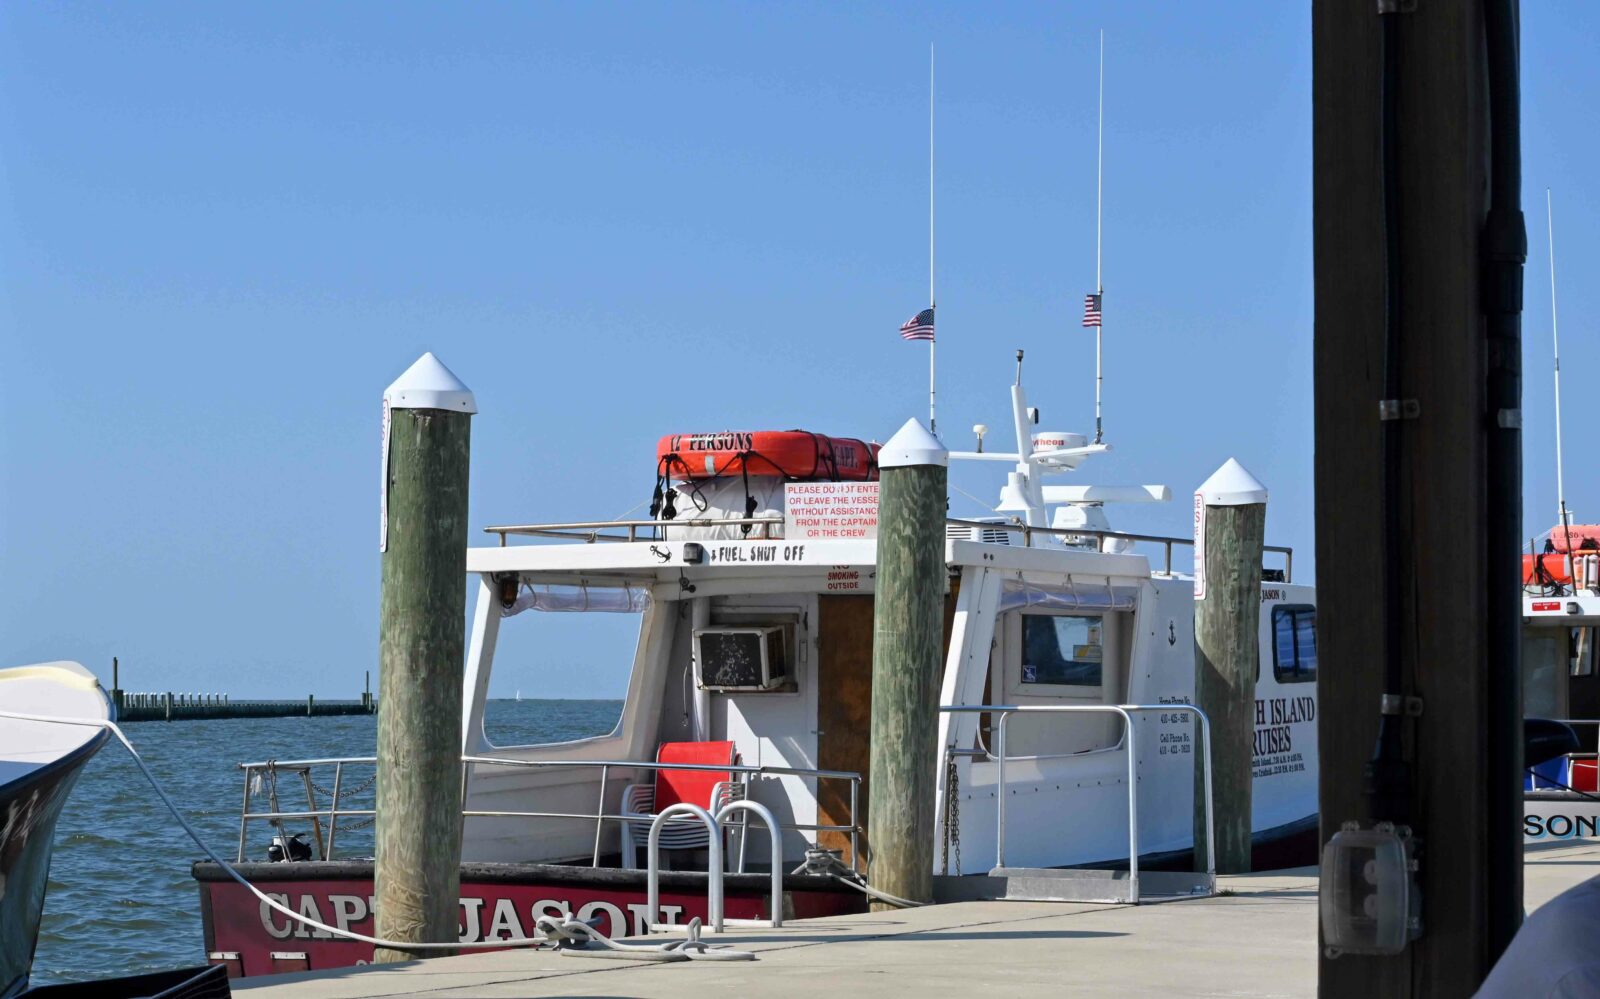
pixel 1067 616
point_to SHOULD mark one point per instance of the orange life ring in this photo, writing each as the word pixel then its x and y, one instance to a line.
pixel 788 454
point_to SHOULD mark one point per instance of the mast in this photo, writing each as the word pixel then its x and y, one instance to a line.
pixel 1555 342
pixel 1099 198
pixel 933 423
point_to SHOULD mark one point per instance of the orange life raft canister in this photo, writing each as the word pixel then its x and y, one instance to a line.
pixel 1584 538
pixel 789 454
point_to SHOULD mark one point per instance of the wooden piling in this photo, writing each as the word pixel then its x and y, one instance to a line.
pixel 907 656
pixel 1455 566
pixel 427 438
pixel 1230 525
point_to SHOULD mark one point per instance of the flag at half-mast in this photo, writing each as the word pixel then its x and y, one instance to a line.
pixel 919 326
pixel 1091 309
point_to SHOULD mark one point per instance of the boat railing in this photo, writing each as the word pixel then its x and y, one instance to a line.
pixel 1127 713
pixel 625 531
pixel 262 777
pixel 1099 538
pixel 1585 755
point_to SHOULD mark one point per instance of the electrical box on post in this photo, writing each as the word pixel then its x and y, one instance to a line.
pixel 1370 902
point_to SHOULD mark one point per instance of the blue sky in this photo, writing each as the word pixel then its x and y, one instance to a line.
pixel 224 229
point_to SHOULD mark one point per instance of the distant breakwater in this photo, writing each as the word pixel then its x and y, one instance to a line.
pixel 170 706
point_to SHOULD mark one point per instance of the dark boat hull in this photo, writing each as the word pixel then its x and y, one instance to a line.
pixel 498 901
pixel 29 808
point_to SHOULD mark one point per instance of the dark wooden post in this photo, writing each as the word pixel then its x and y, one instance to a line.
pixel 116 684
pixel 1449 572
pixel 907 657
pixel 417 873
pixel 1230 524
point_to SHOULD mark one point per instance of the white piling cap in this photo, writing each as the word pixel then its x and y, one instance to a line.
pixel 1232 485
pixel 912 444
pixel 428 384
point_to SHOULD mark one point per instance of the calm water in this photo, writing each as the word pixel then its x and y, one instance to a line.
pixel 120 899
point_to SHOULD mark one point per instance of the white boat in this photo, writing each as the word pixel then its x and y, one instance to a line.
pixel 754 611
pixel 39 763
pixel 1561 610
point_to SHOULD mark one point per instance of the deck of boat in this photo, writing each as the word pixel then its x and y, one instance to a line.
pixel 1258 940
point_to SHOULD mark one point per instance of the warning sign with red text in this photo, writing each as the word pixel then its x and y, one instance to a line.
pixel 830 511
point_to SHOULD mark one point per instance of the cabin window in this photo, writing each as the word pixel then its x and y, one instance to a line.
pixel 1062 651
pixel 580 642
pixel 1294 643
pixel 1068 659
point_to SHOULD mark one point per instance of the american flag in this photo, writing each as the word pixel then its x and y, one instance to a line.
pixel 919 326
pixel 1091 310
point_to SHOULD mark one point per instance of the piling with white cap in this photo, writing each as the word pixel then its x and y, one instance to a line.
pixel 426 452
pixel 907 660
pixel 1230 516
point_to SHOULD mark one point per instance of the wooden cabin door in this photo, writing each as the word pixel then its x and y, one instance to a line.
pixel 844 711
pixel 844 708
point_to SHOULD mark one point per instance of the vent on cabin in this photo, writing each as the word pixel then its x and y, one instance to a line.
pixel 997 535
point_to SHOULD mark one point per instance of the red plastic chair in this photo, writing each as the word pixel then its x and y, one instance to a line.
pixel 710 789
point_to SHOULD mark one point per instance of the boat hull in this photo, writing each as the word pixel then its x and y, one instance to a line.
pixel 39 764
pixel 498 901
pixel 29 808
pixel 1555 816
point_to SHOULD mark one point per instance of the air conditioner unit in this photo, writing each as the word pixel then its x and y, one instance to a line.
pixel 997 535
pixel 753 658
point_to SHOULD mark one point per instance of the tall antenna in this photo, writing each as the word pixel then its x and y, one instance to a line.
pixel 933 423
pixel 1099 198
pixel 1555 341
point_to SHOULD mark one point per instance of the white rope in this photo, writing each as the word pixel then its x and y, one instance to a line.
pixel 882 896
pixel 573 938
pixel 824 862
pixel 690 949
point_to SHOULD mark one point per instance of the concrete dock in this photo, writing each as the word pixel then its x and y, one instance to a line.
pixel 1257 939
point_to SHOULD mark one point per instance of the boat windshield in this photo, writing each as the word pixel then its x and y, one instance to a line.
pixel 562 668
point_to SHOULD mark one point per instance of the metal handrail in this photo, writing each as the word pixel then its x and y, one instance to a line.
pixel 737 768
pixel 713 865
pixel 589 531
pixel 600 816
pixel 1005 711
pixel 1582 754
pixel 1100 537
pixel 775 874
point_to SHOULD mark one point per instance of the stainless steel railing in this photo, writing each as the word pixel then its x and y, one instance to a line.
pixel 269 770
pixel 1127 712
pixel 1100 537
pixel 590 532
pixel 1570 757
